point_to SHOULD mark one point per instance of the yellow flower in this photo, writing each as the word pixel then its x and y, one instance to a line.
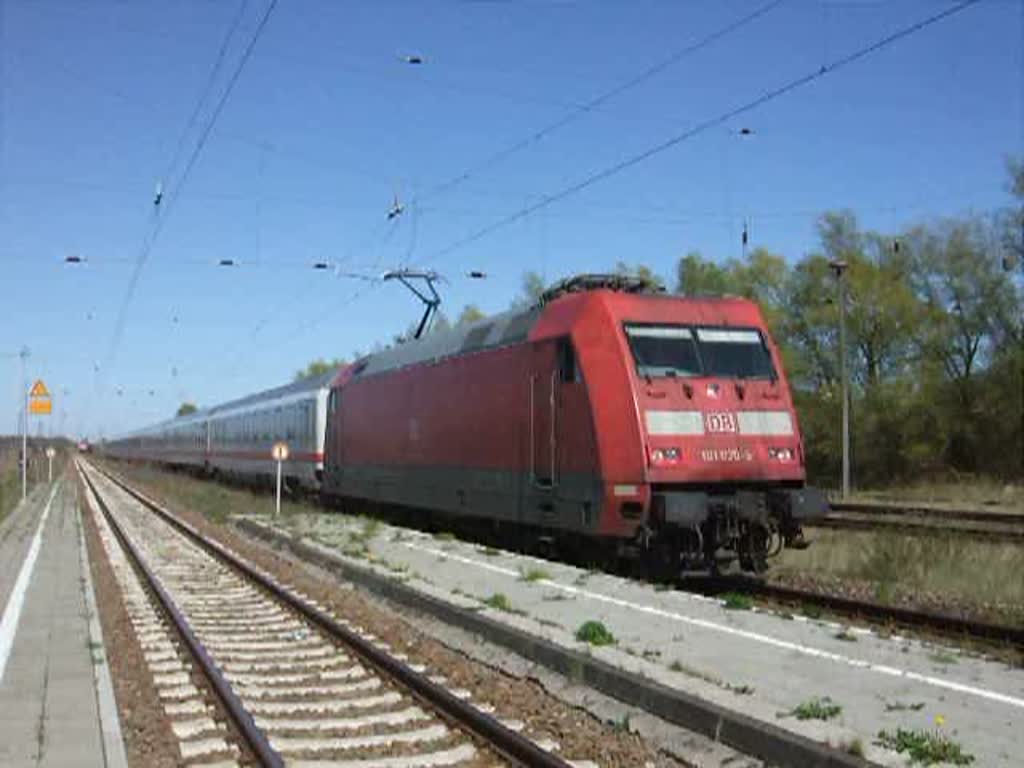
pixel 940 720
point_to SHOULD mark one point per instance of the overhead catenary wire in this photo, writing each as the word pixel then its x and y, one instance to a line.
pixel 232 372
pixel 721 119
pixel 578 111
pixel 204 94
pixel 232 82
pixel 160 216
pixel 598 101
pixel 368 275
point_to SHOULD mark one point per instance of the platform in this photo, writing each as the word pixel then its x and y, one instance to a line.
pixel 759 663
pixel 56 702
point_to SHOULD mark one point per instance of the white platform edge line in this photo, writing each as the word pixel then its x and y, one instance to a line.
pixel 110 723
pixel 15 603
pixel 806 650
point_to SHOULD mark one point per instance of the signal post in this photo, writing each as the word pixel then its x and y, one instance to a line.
pixel 280 454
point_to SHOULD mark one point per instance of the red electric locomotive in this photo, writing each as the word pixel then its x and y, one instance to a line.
pixel 607 414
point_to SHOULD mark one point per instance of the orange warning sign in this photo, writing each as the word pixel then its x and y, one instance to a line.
pixel 39 402
pixel 42 406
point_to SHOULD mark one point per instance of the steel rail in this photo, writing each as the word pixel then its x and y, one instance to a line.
pixel 253 736
pixel 916 526
pixel 1002 633
pixel 504 740
pixel 910 509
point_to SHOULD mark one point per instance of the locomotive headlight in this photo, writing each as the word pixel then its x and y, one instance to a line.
pixel 781 454
pixel 665 455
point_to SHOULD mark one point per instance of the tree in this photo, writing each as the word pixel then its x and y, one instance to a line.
pixel 470 314
pixel 641 271
pixel 882 312
pixel 971 312
pixel 812 327
pixel 1013 217
pixel 696 276
pixel 439 323
pixel 532 288
pixel 186 408
pixel 970 303
pixel 319 367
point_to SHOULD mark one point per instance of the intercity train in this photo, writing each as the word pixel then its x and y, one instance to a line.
pixel 607 415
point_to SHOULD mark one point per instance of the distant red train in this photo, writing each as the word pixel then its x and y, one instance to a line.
pixel 609 416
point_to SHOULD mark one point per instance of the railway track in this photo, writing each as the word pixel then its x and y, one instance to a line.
pixel 299 685
pixel 918 519
pixel 878 612
pixel 841 605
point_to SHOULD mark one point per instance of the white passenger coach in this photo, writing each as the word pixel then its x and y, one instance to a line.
pixel 235 439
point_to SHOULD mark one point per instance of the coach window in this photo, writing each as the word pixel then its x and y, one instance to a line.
pixel 568 364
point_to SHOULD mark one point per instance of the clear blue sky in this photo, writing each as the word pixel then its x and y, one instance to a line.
pixel 326 124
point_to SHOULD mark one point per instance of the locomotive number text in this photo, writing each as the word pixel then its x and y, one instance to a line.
pixel 726 454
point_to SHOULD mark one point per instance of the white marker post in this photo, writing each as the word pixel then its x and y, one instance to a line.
pixel 280 454
pixel 50 453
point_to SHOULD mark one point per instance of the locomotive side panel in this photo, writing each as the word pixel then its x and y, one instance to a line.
pixel 611 409
pixel 469 435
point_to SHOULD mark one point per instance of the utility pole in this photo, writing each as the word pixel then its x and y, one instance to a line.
pixel 24 423
pixel 839 267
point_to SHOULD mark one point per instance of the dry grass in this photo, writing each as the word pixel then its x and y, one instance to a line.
pixel 10 491
pixel 972 492
pixel 10 479
pixel 943 568
pixel 216 501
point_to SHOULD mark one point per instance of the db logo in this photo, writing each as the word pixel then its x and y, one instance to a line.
pixel 720 422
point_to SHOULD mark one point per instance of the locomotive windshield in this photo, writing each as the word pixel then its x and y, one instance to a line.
pixel 734 353
pixel 676 350
pixel 663 350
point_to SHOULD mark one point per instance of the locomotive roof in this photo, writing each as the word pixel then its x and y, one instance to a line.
pixel 499 330
pixel 510 327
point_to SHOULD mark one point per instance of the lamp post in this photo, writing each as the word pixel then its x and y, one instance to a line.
pixel 839 267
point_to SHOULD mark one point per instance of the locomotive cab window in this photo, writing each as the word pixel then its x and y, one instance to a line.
pixel 568 364
pixel 736 353
pixel 663 350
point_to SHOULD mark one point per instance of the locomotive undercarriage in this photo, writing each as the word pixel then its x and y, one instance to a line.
pixel 708 531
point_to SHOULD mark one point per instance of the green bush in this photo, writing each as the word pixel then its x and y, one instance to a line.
pixel 594 633
pixel 924 748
